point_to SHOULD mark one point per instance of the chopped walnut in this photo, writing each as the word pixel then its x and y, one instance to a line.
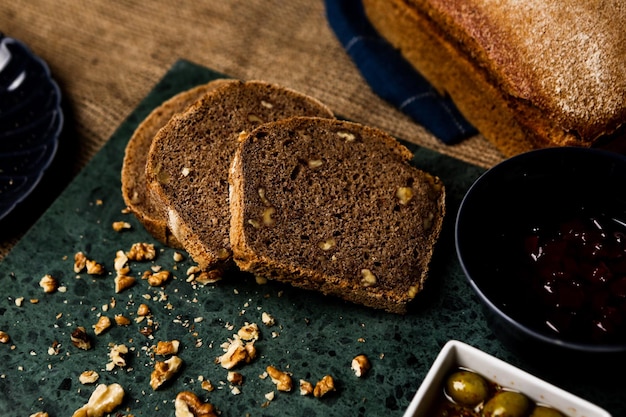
pixel 165 371
pixel 48 283
pixel 103 400
pixel 187 404
pixel 103 323
pixel 167 348
pixel 120 263
pixel 123 282
pixel 88 377
pixel 94 268
pixel 306 388
pixel 119 226
pixel 40 414
pixel 368 279
pixel 250 331
pixel 235 378
pixel 157 279
pixel 4 337
pixel 80 338
pixel 209 277
pixel 121 320
pixel 207 385
pixel 178 257
pixel 143 310
pixel 404 194
pixel 327 244
pixel 324 386
pixel 267 319
pixel 360 365
pixel 117 354
pixel 141 252
pixel 267 218
pixel 281 379
pixel 237 352
pixel 80 261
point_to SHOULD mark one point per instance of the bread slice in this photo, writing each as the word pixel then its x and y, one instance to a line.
pixel 134 187
pixel 188 162
pixel 336 207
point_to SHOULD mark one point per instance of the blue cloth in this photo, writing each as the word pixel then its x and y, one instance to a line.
pixel 392 77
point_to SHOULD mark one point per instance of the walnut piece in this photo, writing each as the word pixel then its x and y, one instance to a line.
pixel 306 388
pixel 235 378
pixel 368 279
pixel 94 268
pixel 268 220
pixel 120 226
pixel 237 352
pixel 360 365
pixel 121 320
pixel 158 278
pixel 165 371
pixel 48 283
pixel 167 348
pixel 117 354
pixel 281 379
pixel 141 252
pixel 40 414
pixel 4 337
pixel 103 400
pixel 80 261
pixel 123 282
pixel 80 338
pixel 187 404
pixel 250 331
pixel 103 323
pixel 324 386
pixel 88 377
pixel 268 319
pixel 143 310
pixel 404 194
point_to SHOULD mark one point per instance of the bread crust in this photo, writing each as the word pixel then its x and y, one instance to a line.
pixel 148 210
pixel 511 68
pixel 337 211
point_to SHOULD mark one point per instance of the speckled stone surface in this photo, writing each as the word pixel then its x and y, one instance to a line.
pixel 313 335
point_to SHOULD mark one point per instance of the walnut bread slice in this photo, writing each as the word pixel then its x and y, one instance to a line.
pixel 134 188
pixel 189 159
pixel 336 207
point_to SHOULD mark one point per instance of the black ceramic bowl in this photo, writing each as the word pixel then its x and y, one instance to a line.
pixel 521 235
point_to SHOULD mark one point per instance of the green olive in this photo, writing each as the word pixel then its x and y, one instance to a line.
pixel 507 404
pixel 467 388
pixel 541 411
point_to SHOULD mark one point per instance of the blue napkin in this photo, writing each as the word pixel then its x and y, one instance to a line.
pixel 391 77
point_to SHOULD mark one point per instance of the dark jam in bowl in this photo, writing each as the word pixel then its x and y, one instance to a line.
pixel 541 238
pixel 574 274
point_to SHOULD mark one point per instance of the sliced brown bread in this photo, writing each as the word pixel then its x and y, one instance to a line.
pixel 134 188
pixel 336 207
pixel 188 162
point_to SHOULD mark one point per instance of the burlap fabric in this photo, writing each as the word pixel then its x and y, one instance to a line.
pixel 107 55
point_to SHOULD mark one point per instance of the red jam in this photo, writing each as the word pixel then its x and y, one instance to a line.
pixel 577 274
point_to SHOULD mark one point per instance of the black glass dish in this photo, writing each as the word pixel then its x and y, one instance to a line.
pixel 31 120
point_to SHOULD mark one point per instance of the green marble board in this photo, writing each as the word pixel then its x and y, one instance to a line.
pixel 313 335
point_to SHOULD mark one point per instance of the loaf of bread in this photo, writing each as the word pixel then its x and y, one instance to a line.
pixel 527 74
pixel 189 158
pixel 335 207
pixel 134 187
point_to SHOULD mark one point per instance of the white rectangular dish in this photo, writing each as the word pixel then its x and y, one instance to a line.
pixel 455 354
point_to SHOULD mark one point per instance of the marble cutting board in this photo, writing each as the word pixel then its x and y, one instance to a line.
pixel 313 335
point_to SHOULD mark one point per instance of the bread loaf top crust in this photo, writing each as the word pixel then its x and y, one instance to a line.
pixel 564 57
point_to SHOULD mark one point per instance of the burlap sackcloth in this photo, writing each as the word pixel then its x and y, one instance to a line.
pixel 106 56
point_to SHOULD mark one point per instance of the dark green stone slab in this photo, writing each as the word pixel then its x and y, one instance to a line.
pixel 313 335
